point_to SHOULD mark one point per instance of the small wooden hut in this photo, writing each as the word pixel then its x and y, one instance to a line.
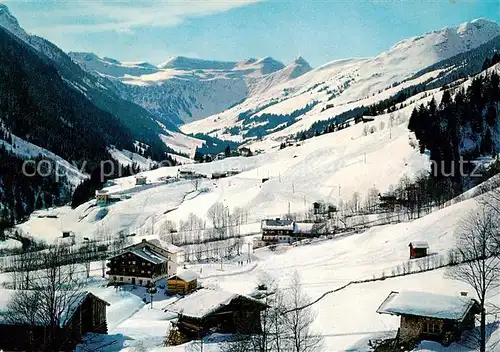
pixel 431 316
pixel 418 249
pixel 182 283
pixel 210 311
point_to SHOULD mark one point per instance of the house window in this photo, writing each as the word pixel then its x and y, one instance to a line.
pixel 114 278
pixel 133 262
pixel 121 278
pixel 142 271
pixel 431 328
pixel 140 282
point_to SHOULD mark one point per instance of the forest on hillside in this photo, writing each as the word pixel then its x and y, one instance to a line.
pixel 463 126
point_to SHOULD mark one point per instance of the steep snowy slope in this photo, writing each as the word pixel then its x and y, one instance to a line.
pixel 298 176
pixel 342 82
pixel 185 89
pixel 98 90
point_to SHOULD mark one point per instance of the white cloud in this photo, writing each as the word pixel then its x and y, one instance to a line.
pixel 123 17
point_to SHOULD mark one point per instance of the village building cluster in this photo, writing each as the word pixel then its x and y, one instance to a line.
pixel 277 231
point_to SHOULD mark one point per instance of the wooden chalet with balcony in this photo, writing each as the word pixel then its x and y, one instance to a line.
pixel 143 264
pixel 277 231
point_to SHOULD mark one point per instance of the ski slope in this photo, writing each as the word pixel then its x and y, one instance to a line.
pixel 349 83
pixel 330 167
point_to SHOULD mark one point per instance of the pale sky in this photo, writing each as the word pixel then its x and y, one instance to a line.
pixel 318 30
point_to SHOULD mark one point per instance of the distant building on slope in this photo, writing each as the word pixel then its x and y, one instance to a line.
pixel 143 263
pixel 302 230
pixel 102 196
pixel 188 174
pixel 245 151
pixel 141 180
pixel 418 249
pixel 430 316
pixel 85 313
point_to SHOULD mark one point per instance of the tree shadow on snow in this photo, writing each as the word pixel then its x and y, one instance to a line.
pixel 101 343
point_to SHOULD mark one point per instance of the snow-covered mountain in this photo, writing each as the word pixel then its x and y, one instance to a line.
pixel 184 89
pixel 98 90
pixel 294 105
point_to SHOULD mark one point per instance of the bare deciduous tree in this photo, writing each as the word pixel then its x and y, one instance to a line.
pixel 477 248
pixel 297 322
pixel 52 291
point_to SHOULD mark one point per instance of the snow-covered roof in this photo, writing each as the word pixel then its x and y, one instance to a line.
pixel 277 224
pixel 71 303
pixel 186 275
pixel 419 244
pixel 303 227
pixel 425 304
pixel 172 248
pixel 148 255
pixel 203 302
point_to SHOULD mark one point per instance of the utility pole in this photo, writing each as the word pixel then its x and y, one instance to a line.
pixel 390 125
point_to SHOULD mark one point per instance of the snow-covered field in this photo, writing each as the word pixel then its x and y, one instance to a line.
pixel 330 167
pixel 347 319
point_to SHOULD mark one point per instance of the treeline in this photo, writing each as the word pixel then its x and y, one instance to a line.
pixel 220 238
pixel 22 193
pixel 266 122
pixel 460 127
pixel 39 107
pixel 465 64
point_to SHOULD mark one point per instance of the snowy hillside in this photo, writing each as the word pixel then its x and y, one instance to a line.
pixel 346 319
pixel 330 168
pixel 343 85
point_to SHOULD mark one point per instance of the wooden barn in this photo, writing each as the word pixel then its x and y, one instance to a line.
pixel 430 316
pixel 182 283
pixel 141 180
pixel 84 313
pixel 209 311
pixel 418 249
